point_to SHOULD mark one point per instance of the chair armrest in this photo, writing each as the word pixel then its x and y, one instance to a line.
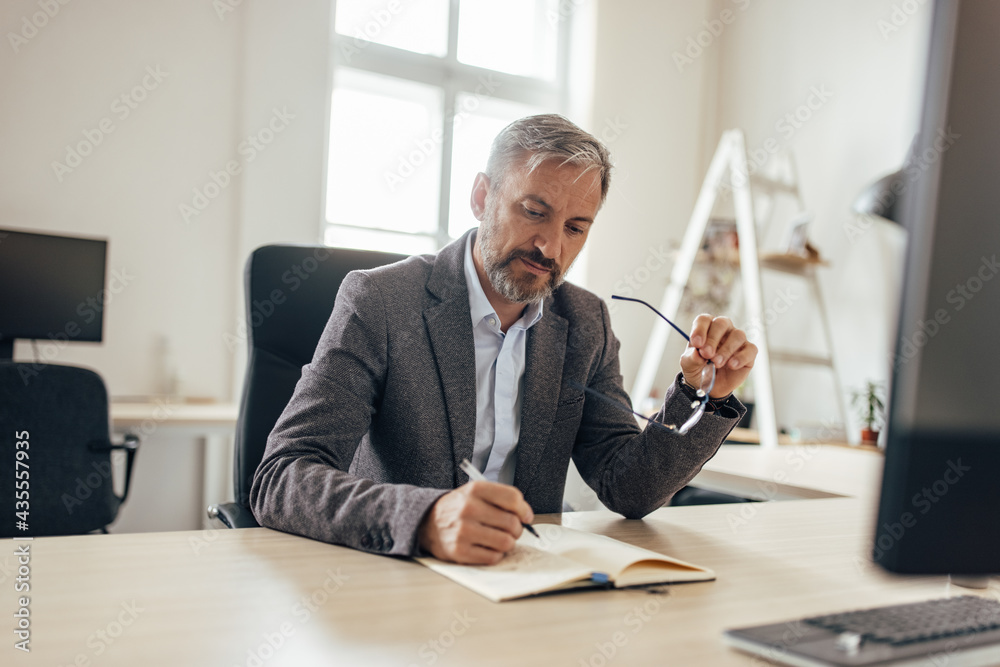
pixel 130 445
pixel 233 515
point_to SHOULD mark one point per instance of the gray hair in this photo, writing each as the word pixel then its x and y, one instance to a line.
pixel 547 137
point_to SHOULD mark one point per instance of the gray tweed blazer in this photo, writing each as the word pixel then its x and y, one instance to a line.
pixel 386 410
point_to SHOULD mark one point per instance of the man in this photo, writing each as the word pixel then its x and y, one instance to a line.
pixel 481 352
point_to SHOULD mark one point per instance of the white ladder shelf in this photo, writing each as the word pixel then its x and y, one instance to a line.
pixel 731 159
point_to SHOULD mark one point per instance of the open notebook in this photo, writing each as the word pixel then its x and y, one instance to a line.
pixel 562 558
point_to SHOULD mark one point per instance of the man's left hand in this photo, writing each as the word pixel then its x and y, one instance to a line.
pixel 718 341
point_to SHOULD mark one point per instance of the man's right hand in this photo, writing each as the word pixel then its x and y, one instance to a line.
pixel 476 524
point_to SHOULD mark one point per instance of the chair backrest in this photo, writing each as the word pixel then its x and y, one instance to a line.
pixel 290 292
pixel 58 417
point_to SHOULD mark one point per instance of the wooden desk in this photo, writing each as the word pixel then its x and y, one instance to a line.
pixel 201 418
pixel 259 597
pixel 791 472
pixel 212 425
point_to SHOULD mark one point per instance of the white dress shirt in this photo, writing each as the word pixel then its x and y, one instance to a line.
pixel 500 362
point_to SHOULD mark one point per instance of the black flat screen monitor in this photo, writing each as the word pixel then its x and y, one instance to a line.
pixel 941 484
pixel 51 287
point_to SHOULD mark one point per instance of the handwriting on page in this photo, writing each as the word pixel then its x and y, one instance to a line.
pixel 528 567
pixel 524 557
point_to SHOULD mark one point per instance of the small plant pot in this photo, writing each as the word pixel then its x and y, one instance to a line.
pixel 868 436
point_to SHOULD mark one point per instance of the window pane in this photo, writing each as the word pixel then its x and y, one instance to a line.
pixel 515 36
pixel 367 239
pixel 420 26
pixel 478 120
pixel 385 153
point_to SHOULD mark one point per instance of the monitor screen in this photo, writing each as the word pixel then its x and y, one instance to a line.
pixel 940 486
pixel 51 287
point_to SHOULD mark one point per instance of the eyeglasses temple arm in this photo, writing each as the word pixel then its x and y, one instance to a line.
pixel 620 406
pixel 665 318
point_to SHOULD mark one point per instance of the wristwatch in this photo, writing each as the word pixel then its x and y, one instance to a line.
pixel 712 405
pixel 715 404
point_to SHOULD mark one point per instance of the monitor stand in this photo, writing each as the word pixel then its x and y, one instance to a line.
pixel 969 580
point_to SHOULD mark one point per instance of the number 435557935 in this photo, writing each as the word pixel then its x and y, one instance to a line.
pixel 22 474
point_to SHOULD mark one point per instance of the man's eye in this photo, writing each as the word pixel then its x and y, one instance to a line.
pixel 574 230
pixel 533 214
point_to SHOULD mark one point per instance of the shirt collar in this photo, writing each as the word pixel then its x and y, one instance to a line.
pixel 480 306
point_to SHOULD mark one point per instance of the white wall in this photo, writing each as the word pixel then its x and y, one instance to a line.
pixel 652 116
pixel 224 73
pixel 772 59
pixel 61 84
pixel 760 66
pixel 284 66
pixel 224 77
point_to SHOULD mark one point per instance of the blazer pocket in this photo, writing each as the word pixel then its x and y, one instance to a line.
pixel 571 409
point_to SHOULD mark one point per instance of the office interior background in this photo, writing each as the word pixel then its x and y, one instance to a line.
pixel 169 96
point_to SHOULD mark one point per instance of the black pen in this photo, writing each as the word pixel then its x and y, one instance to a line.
pixel 473 473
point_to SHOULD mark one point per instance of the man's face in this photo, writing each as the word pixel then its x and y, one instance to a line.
pixel 534 226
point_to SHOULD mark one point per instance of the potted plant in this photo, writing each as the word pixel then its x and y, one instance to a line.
pixel 870 403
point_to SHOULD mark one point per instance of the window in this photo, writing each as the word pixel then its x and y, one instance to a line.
pixel 420 88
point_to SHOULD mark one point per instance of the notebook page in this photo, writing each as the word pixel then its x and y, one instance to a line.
pixel 524 571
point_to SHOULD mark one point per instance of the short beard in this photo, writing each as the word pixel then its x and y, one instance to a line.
pixel 514 288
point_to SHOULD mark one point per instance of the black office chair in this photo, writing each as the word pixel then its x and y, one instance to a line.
pixel 290 292
pixel 56 452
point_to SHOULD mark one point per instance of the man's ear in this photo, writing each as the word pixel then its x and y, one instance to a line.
pixel 480 188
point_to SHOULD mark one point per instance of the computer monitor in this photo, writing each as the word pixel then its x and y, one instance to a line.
pixel 941 486
pixel 51 287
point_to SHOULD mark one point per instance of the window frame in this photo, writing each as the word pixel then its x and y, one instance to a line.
pixel 451 77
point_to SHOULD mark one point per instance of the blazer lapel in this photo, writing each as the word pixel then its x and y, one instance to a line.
pixel 449 327
pixel 545 354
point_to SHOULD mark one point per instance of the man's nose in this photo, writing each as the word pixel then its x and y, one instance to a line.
pixel 549 241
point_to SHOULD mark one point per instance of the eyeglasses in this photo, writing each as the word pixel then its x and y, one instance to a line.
pixel 706 381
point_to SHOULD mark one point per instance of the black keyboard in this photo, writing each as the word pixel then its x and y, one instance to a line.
pixel 903 624
pixel 958 631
